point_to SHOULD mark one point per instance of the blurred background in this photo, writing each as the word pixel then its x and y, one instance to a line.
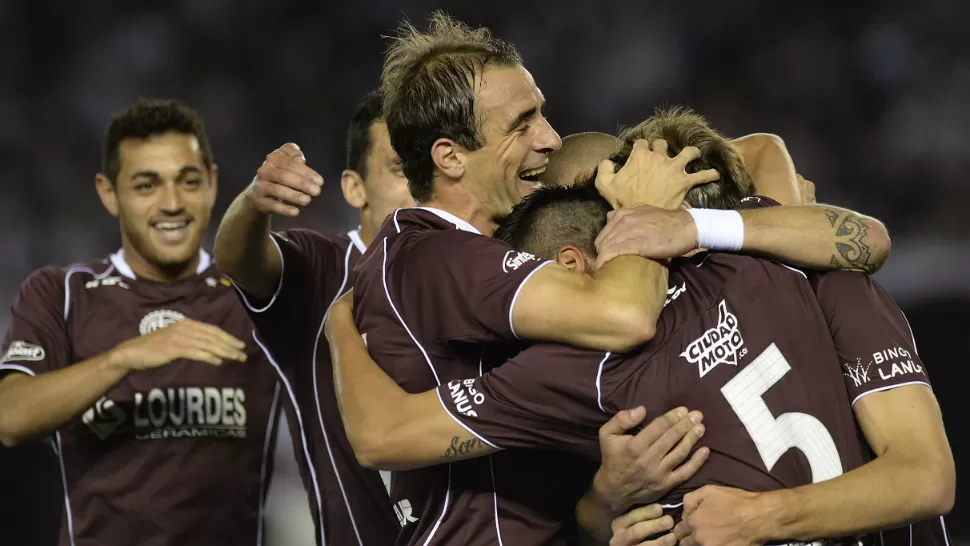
pixel 872 98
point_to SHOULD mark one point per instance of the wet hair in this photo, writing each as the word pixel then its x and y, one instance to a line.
pixel 359 142
pixel 428 84
pixel 146 118
pixel 555 216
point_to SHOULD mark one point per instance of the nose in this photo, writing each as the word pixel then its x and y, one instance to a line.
pixel 171 199
pixel 547 140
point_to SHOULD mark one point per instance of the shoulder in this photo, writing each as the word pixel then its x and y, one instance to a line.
pixel 51 284
pixel 310 240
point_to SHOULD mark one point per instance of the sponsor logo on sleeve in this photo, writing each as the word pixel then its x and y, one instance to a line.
pixel 894 362
pixel 722 344
pixel 403 510
pixel 21 351
pixel 211 282
pixel 465 397
pixel 858 372
pixel 514 260
pixel 156 320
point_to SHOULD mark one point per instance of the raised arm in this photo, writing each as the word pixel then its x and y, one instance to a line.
pixel 811 236
pixel 244 249
pixel 771 168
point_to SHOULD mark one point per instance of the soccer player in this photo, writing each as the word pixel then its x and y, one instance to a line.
pixel 466 119
pixel 391 440
pixel 159 413
pixel 287 281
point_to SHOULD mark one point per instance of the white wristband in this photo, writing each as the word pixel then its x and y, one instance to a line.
pixel 718 229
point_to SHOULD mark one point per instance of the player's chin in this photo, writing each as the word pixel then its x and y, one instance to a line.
pixel 168 253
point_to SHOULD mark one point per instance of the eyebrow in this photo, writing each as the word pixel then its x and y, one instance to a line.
pixel 189 169
pixel 524 116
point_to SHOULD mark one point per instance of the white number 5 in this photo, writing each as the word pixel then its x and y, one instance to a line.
pixel 773 437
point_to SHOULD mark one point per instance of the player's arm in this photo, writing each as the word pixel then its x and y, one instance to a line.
pixel 388 427
pixel 244 249
pixel 770 166
pixel 614 308
pixel 912 477
pixel 811 236
pixel 42 390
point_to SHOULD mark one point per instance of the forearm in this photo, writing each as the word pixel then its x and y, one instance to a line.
pixel 596 517
pixel 32 406
pixel 817 237
pixel 245 251
pixel 770 166
pixel 630 291
pixel 887 492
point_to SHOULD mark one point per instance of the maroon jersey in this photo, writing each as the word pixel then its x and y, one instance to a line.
pixel 741 339
pixel 876 348
pixel 349 504
pixel 170 456
pixel 429 293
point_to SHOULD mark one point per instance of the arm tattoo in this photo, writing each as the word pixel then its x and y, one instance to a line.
pixel 851 245
pixel 463 447
pixel 833 215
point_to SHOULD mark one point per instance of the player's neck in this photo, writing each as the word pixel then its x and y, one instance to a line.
pixel 368 228
pixel 144 269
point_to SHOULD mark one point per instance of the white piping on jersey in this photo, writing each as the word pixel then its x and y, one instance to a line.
pixel 498 529
pixel 118 260
pixel 270 423
pixel 491 467
pixel 463 425
pixel 516 295
pixel 890 387
pixel 299 420
pixel 279 285
pixel 356 240
pixel 671 506
pixel 449 217
pixel 943 525
pixel 67 498
pixel 67 283
pixel 799 271
pixel 599 376
pixel 444 509
pixel 15 367
pixel 316 394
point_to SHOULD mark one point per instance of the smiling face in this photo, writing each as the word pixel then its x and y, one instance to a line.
pixel 517 139
pixel 163 197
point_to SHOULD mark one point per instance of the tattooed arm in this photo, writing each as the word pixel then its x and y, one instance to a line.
pixel 811 236
pixel 817 236
pixel 389 428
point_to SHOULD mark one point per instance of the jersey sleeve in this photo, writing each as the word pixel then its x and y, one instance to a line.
pixel 37 340
pixel 872 336
pixel 473 281
pixel 314 270
pixel 545 397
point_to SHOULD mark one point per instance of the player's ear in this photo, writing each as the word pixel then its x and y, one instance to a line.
pixel 107 193
pixel 213 183
pixel 353 188
pixel 573 259
pixel 449 157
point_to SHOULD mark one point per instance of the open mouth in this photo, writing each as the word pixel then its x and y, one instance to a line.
pixel 531 176
pixel 171 231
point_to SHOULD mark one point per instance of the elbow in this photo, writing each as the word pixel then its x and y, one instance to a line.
pixel 10 435
pixel 880 245
pixel 222 254
pixel 371 449
pixel 942 488
pixel 634 327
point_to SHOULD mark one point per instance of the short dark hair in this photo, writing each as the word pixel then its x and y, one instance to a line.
pixel 429 87
pixel 367 112
pixel 555 216
pixel 682 127
pixel 149 117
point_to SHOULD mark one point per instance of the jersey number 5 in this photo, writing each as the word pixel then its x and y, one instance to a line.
pixel 774 436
